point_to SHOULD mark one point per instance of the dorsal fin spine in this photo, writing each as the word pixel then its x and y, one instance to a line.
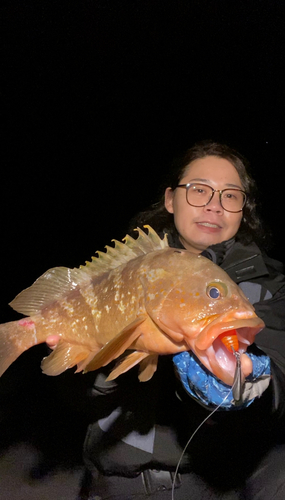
pixel 56 283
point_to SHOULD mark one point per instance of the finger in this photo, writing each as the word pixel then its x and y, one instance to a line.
pixel 246 365
pixel 52 341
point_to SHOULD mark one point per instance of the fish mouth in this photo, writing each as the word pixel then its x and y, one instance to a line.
pixel 213 353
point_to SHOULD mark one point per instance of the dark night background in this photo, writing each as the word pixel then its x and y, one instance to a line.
pixel 97 96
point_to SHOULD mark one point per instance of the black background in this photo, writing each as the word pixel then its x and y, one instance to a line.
pixel 97 96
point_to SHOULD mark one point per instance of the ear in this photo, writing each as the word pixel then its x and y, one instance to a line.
pixel 168 200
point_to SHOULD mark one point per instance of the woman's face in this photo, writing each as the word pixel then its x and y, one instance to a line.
pixel 200 227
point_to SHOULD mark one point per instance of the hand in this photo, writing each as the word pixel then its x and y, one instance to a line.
pixel 52 341
pixel 246 365
pixel 210 391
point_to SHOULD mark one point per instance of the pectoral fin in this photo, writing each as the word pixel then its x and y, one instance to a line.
pixel 148 367
pixel 117 345
pixel 127 363
pixel 63 357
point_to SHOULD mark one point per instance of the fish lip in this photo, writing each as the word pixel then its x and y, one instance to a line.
pixel 207 344
pixel 253 325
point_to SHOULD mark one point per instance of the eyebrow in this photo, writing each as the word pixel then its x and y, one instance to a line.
pixel 208 180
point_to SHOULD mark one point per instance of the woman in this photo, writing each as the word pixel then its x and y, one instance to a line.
pixel 139 430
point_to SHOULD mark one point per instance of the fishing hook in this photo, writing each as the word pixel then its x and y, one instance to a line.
pixel 237 384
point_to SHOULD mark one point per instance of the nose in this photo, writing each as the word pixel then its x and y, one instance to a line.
pixel 215 204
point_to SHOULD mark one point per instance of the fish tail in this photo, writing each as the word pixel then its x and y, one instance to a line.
pixel 15 338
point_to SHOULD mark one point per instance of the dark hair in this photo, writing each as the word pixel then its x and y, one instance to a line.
pixel 160 219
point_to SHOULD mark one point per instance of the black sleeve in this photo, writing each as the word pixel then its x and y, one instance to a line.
pixel 271 340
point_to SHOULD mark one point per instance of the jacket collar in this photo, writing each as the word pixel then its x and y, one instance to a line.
pixel 241 262
pixel 244 263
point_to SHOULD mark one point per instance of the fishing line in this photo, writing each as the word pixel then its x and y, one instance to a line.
pixel 192 436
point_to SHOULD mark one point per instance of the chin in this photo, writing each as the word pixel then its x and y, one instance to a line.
pixel 212 241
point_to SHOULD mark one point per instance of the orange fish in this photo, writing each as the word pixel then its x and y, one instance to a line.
pixel 140 296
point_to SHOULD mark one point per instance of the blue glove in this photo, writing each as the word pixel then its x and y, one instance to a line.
pixel 210 391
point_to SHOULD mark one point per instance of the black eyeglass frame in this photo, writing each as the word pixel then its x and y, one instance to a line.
pixel 220 191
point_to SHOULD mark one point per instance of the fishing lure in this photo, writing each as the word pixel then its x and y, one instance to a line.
pixel 230 340
pixel 237 385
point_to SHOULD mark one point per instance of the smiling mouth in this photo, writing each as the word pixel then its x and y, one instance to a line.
pixel 208 224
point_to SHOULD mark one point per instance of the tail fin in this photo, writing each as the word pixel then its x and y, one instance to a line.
pixel 14 340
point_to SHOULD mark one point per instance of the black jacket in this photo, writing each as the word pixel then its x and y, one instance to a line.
pixel 146 425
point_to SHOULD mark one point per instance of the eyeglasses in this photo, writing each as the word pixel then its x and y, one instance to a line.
pixel 200 195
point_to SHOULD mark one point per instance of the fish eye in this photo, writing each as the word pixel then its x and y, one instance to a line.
pixel 214 293
pixel 216 290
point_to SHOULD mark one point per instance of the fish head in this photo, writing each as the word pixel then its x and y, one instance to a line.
pixel 197 302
